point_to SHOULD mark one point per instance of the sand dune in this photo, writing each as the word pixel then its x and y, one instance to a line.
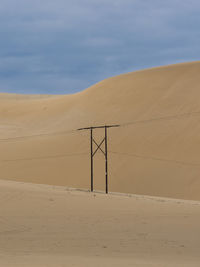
pixel 43 225
pixel 159 155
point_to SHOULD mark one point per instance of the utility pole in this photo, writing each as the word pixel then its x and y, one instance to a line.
pixel 99 147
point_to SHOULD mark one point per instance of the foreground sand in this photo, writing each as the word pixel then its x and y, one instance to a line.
pixel 43 225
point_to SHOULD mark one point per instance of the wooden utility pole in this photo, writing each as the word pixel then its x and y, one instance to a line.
pixel 99 147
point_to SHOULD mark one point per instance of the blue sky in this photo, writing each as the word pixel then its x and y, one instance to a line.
pixel 64 46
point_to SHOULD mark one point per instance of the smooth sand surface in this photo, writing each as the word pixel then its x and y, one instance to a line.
pixel 159 155
pixel 42 225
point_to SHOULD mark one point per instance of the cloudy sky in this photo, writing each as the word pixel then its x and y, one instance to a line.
pixel 65 46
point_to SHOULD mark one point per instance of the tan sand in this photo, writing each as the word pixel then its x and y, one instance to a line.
pixel 43 225
pixel 158 157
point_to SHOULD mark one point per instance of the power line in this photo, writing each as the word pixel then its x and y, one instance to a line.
pixel 177 116
pixel 45 157
pixel 18 138
pixel 157 158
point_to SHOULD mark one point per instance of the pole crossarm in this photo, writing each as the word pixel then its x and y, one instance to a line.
pixel 97 127
pixel 98 147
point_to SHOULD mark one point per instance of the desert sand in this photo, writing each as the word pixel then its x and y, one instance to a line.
pixel 155 152
pixel 150 217
pixel 42 225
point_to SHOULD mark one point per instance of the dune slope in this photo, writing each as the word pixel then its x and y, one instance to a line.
pixel 155 151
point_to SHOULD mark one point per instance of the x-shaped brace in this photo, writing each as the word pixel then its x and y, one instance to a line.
pixel 98 146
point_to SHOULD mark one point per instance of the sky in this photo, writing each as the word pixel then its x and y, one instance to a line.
pixel 65 46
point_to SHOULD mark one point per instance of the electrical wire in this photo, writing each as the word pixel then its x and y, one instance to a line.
pixel 45 157
pixel 18 138
pixel 156 158
pixel 177 116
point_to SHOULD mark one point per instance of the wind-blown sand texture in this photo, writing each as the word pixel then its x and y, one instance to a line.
pixel 43 225
pixel 155 152
pixel 158 155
